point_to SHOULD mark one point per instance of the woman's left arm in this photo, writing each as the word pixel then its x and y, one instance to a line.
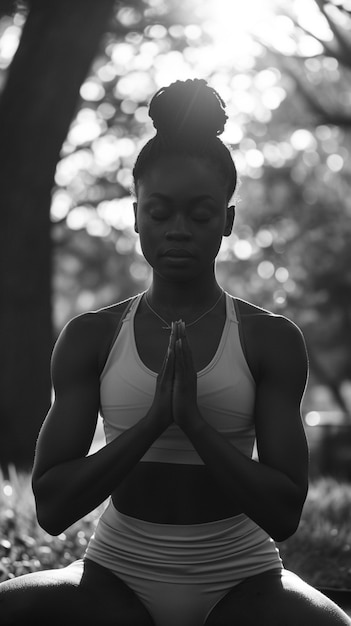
pixel 272 491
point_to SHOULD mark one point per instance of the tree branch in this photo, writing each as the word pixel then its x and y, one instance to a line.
pixel 341 37
pixel 326 116
pixel 329 50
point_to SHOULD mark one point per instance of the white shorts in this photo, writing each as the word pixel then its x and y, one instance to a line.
pixel 180 572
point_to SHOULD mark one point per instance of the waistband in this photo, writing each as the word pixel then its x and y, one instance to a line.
pixel 200 531
pixel 229 549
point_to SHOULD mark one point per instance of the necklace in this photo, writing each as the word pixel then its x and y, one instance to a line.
pixel 168 326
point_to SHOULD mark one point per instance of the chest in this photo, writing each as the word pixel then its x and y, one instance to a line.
pixel 152 341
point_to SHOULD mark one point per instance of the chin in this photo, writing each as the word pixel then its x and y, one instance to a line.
pixel 177 276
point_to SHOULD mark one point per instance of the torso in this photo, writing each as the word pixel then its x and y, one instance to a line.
pixel 175 493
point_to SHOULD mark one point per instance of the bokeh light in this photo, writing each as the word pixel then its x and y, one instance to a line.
pixel 313 418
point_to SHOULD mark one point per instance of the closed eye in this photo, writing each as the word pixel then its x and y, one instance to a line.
pixel 159 215
pixel 203 216
pixel 157 210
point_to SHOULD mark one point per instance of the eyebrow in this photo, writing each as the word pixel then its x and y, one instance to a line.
pixel 163 196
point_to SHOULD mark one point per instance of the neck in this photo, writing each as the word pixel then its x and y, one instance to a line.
pixel 183 299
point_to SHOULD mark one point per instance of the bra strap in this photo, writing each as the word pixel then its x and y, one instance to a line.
pixel 231 308
pixel 240 328
pixel 119 326
pixel 123 317
pixel 131 308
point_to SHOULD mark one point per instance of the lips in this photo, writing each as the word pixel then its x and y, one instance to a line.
pixel 178 253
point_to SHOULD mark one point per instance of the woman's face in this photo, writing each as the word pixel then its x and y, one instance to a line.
pixel 181 215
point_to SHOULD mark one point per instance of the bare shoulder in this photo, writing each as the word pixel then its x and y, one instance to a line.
pixel 259 319
pixel 87 337
pixel 270 337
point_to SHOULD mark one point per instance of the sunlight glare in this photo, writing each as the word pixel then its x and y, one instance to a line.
pixel 311 18
pixel 60 205
pixel 172 66
pixel 7 489
pixel 117 213
pixel 242 249
pixel 231 24
pixel 92 90
pixel 313 418
pixel 86 127
pixel 8 45
pixel 302 139
pixel 265 269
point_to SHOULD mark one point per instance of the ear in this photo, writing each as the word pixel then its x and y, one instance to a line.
pixel 135 207
pixel 230 221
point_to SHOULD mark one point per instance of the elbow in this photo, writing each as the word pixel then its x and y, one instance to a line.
pixel 287 524
pixel 285 531
pixel 48 523
pixel 291 510
pixel 46 512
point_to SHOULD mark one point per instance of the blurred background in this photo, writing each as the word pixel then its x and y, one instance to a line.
pixel 76 77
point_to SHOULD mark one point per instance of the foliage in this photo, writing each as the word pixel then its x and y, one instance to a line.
pixel 287 101
pixel 24 546
pixel 319 551
pixel 290 251
pixel 284 70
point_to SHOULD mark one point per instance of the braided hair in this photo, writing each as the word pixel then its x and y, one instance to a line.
pixel 188 117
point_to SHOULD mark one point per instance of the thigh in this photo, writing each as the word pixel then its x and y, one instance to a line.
pixel 84 592
pixel 273 599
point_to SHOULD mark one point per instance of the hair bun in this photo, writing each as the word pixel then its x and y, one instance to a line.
pixel 188 109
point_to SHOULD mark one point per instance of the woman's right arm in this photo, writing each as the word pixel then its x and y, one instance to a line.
pixel 68 484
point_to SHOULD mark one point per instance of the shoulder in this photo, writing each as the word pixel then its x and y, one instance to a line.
pixel 259 319
pixel 95 322
pixel 270 339
pixel 86 338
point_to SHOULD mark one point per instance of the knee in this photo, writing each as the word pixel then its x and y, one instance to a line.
pixel 15 612
pixel 276 599
pixel 7 610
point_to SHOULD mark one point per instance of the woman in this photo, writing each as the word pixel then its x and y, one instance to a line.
pixel 188 536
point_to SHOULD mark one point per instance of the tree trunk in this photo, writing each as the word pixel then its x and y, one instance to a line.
pixel 58 44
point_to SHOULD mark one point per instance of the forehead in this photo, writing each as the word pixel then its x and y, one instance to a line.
pixel 182 176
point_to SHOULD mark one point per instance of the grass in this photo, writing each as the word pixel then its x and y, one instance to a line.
pixel 24 546
pixel 320 551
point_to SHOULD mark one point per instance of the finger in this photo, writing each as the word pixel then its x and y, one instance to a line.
pixel 177 352
pixel 171 346
pixel 185 343
pixel 182 332
pixel 164 363
pixel 181 329
pixel 170 339
pixel 173 337
pixel 170 349
pixel 170 361
pixel 187 356
pixel 167 372
pixel 173 328
pixel 179 356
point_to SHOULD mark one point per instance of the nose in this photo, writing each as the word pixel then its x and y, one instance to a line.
pixel 178 230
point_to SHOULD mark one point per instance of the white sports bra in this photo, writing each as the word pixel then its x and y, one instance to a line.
pixel 225 387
